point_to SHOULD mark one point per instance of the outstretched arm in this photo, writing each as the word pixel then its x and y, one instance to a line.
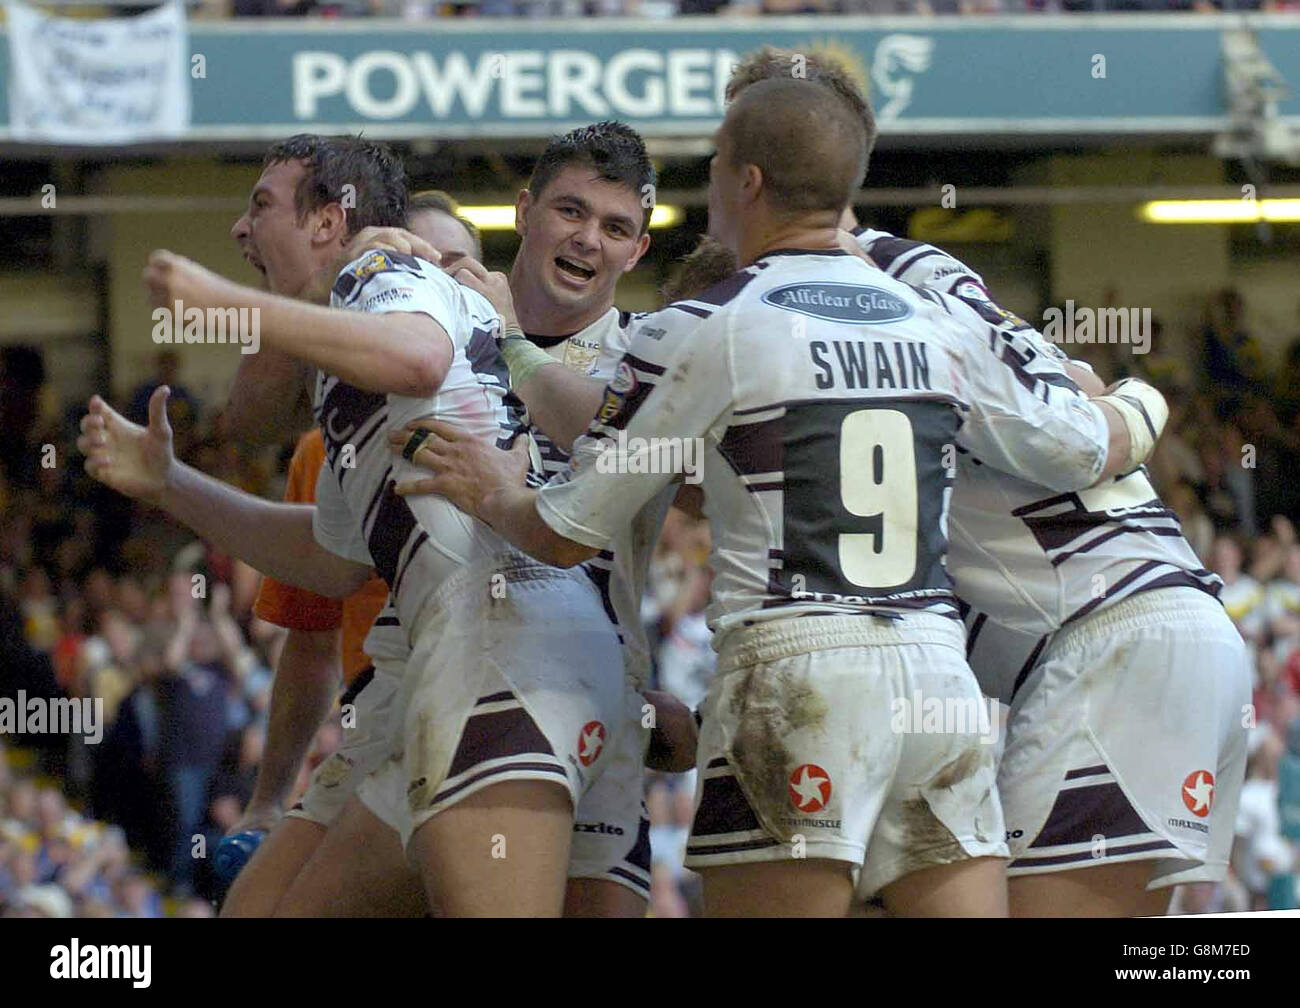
pixel 275 538
pixel 406 353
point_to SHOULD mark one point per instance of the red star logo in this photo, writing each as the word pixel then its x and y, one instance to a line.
pixel 1198 792
pixel 591 742
pixel 810 788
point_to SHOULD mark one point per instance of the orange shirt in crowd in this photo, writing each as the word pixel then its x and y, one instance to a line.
pixel 297 609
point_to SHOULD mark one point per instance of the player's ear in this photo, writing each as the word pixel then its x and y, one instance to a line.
pixel 752 183
pixel 331 224
pixel 642 244
pixel 522 202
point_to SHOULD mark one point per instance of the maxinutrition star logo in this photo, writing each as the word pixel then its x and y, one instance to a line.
pixel 810 788
pixel 591 742
pixel 1198 792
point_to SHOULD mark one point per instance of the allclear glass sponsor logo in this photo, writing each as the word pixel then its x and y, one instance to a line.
pixel 918 714
pixel 840 302
pixel 26 715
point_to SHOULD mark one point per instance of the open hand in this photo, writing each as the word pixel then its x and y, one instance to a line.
pixel 493 286
pixel 133 460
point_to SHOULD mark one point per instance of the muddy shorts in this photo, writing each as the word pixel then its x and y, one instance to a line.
pixel 857 739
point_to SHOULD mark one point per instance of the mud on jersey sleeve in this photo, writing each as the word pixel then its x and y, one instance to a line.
pixel 664 393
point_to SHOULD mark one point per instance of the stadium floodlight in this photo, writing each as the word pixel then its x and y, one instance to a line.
pixel 1221 211
pixel 502 217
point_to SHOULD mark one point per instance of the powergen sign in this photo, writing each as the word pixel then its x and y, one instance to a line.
pixel 520 84
pixel 482 77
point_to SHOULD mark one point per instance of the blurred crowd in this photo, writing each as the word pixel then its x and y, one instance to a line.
pixel 103 598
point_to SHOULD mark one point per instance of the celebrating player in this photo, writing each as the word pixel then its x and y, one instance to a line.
pixel 808 368
pixel 325 637
pixel 1082 609
pixel 585 209
pixel 499 704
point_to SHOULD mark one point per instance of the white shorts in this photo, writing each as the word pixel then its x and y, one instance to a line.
pixel 611 829
pixel 367 732
pixel 808 748
pixel 1128 742
pixel 515 674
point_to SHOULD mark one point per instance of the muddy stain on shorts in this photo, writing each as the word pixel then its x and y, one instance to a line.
pixel 926 841
pixel 768 705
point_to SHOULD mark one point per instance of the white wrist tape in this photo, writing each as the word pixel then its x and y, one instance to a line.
pixel 1145 413
pixel 522 357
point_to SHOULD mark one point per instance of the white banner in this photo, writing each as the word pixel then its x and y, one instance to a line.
pixel 106 81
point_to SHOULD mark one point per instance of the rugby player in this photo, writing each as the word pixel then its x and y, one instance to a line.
pixel 546 689
pixel 827 606
pixel 325 639
pixel 585 204
pixel 1082 610
pixel 583 222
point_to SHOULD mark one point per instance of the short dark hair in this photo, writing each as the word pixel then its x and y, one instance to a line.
pixel 613 149
pixel 437 201
pixel 810 147
pixel 710 263
pixel 770 63
pixel 372 169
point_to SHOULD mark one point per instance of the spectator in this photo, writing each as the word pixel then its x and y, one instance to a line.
pixel 1232 360
pixel 1242 595
pixel 1261 851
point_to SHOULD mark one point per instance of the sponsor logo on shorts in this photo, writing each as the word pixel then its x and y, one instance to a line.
pixel 823 823
pixel 1187 824
pixel 810 788
pixel 1198 792
pixel 597 827
pixel 590 742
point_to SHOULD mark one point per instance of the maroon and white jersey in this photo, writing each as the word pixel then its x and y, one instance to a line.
pixel 822 404
pixel 1021 554
pixel 619 571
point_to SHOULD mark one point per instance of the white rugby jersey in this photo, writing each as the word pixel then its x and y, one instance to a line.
pixel 414 543
pixel 618 572
pixel 1027 557
pixel 829 399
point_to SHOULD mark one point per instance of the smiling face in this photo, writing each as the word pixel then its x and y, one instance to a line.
pixel 580 234
pixel 283 246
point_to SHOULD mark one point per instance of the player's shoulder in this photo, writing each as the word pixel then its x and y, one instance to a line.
pixel 913 261
pixel 391 275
